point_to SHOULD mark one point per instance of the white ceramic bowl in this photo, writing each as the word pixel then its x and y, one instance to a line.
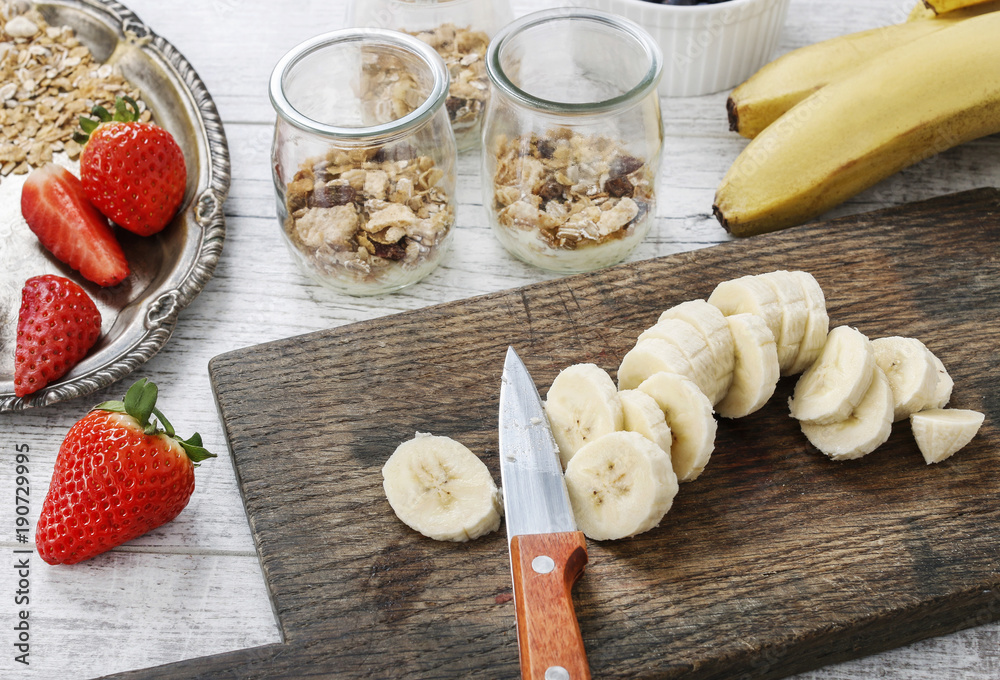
pixel 706 48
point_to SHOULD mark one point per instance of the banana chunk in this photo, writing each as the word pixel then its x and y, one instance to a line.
pixel 756 373
pixel 643 415
pixel 440 488
pixel 911 371
pixel 689 415
pixel 940 432
pixel 794 316
pixel 695 348
pixel 866 428
pixel 830 389
pixel 582 404
pixel 942 393
pixel 711 323
pixel 817 325
pixel 620 485
pixel 653 355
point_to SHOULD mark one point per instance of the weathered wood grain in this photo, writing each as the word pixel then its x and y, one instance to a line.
pixel 776 560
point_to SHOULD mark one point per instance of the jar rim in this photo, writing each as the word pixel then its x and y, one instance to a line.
pixel 501 82
pixel 431 104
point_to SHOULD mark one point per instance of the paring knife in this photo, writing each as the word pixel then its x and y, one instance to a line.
pixel 547 553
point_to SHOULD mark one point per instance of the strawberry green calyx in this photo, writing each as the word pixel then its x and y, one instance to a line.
pixel 126 111
pixel 140 403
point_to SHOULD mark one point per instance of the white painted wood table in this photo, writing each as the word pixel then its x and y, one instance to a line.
pixel 194 587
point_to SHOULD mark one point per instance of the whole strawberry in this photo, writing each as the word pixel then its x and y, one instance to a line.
pixel 57 325
pixel 117 476
pixel 132 172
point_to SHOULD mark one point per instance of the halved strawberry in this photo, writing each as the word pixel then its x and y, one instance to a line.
pixel 55 207
pixel 57 325
pixel 132 172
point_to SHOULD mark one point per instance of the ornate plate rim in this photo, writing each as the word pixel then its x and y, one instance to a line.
pixel 161 313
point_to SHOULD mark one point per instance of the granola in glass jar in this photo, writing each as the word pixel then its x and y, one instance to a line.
pixel 374 219
pixel 569 201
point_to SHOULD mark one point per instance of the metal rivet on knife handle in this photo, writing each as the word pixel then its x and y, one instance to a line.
pixel 543 564
pixel 556 673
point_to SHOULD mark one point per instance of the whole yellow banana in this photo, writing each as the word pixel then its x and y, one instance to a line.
pixel 946 6
pixel 789 79
pixel 919 99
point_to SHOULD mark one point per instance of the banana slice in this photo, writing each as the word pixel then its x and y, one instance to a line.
pixel 940 432
pixel 582 404
pixel 711 323
pixel 866 428
pixel 817 325
pixel 440 488
pixel 749 294
pixel 830 389
pixel 942 393
pixel 689 415
pixel 620 485
pixel 911 371
pixel 794 316
pixel 694 346
pixel 650 356
pixel 756 373
pixel 643 415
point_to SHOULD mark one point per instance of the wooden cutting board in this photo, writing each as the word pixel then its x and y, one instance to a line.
pixel 776 560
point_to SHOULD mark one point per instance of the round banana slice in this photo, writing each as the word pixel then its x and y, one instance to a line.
pixel 643 415
pixel 794 316
pixel 694 346
pixel 650 356
pixel 582 404
pixel 620 485
pixel 749 294
pixel 864 430
pixel 756 374
pixel 440 488
pixel 830 389
pixel 942 393
pixel 940 432
pixel 689 415
pixel 712 325
pixel 817 325
pixel 911 371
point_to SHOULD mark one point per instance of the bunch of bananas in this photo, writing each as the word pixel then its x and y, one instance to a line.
pixel 829 120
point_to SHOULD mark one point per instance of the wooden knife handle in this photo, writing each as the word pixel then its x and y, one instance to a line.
pixel 544 568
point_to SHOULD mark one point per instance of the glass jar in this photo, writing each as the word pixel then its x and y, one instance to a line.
pixel 572 138
pixel 364 159
pixel 460 31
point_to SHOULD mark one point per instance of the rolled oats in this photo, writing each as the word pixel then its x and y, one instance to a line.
pixel 572 190
pixel 464 53
pixel 367 214
pixel 49 79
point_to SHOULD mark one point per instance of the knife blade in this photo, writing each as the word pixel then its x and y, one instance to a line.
pixel 547 553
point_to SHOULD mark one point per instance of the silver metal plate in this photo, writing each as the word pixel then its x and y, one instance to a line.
pixel 534 492
pixel 169 269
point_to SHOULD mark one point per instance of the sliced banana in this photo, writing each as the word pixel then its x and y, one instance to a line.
pixel 866 428
pixel 794 316
pixel 643 415
pixel 749 294
pixel 830 389
pixel 756 373
pixel 689 415
pixel 712 325
pixel 650 356
pixel 940 432
pixel 817 325
pixel 582 404
pixel 620 485
pixel 440 488
pixel 911 371
pixel 694 346
pixel 942 393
